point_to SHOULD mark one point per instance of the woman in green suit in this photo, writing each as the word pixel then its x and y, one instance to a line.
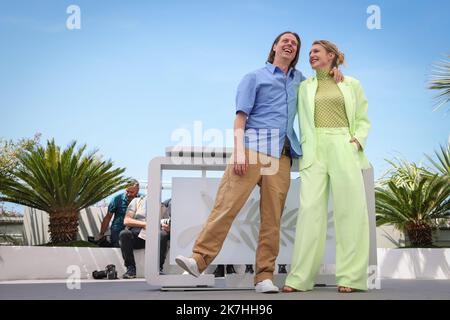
pixel 334 127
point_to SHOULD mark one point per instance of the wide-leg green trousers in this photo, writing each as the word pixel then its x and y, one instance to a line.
pixel 336 166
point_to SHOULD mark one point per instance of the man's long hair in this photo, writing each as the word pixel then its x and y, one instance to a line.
pixel 272 53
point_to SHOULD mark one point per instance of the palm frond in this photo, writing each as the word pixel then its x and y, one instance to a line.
pixel 440 81
pixel 442 164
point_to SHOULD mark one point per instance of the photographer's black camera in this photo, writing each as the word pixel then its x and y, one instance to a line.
pixel 109 273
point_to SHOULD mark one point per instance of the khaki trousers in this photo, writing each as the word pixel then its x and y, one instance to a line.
pixel 233 192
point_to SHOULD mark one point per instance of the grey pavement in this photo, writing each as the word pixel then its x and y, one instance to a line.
pixel 138 289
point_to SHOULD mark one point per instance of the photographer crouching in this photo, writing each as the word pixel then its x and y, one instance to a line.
pixel 133 236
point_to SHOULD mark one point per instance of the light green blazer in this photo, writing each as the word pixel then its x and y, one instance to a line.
pixel 355 107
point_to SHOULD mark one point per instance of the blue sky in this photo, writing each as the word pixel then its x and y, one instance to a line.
pixel 138 70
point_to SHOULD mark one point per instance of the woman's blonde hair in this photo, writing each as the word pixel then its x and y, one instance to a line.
pixel 339 57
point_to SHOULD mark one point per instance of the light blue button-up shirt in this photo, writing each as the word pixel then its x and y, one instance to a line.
pixel 269 98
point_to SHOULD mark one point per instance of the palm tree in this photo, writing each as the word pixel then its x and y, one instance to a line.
pixel 61 183
pixel 441 81
pixel 3 181
pixel 411 199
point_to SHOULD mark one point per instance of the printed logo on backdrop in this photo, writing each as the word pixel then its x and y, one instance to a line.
pixel 193 200
pixel 249 219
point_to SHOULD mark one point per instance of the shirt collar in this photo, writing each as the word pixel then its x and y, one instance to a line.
pixel 124 198
pixel 270 67
pixel 273 68
pixel 291 72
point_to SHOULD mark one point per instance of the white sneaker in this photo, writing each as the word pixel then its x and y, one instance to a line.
pixel 266 286
pixel 188 264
